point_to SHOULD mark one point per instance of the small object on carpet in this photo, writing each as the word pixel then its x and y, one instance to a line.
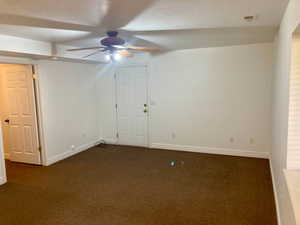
pixel 172 163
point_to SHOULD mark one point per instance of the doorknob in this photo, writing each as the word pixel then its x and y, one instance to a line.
pixel 6 121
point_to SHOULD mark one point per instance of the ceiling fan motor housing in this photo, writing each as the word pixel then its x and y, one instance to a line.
pixel 112 33
pixel 112 39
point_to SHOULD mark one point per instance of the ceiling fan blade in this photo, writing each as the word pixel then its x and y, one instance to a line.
pixel 81 49
pixel 94 53
pixel 125 53
pixel 138 48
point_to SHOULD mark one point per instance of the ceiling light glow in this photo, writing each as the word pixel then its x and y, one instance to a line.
pixel 117 56
pixel 107 57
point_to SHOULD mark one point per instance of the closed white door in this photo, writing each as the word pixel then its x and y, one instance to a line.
pixel 132 106
pixel 19 114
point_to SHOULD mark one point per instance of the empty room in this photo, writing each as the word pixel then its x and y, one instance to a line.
pixel 150 112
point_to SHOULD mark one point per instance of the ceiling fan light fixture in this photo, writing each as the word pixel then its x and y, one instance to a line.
pixel 115 46
pixel 117 56
pixel 108 57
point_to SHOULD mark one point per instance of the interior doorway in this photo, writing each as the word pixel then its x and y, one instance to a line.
pixel 132 106
pixel 18 114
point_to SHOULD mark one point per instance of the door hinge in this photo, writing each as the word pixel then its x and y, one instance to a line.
pixel 117 135
pixel 35 76
pixel 40 149
pixel 115 76
pixel 116 106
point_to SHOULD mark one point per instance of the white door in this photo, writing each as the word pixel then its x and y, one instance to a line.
pixel 132 106
pixel 19 114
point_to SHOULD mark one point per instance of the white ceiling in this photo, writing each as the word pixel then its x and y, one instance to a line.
pixel 42 34
pixel 87 12
pixel 193 14
pixel 209 37
pixel 171 24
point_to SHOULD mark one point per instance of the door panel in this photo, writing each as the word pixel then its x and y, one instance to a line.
pixel 13 101
pixel 19 108
pixel 132 121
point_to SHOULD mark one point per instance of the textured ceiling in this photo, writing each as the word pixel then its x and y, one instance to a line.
pixel 170 24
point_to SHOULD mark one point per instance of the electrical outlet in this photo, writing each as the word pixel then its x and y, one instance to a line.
pixel 72 147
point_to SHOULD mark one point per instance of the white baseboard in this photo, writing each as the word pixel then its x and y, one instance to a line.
pixel 69 153
pixel 2 180
pixel 275 193
pixel 109 141
pixel 209 150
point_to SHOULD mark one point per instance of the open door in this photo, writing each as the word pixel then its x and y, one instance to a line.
pixel 19 114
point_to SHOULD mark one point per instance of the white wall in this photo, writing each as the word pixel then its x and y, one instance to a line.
pixel 23 45
pixel 68 104
pixel 280 108
pixel 106 103
pixel 205 97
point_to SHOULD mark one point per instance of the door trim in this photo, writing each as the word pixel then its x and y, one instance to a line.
pixel 148 95
pixel 3 178
pixel 37 102
pixel 40 126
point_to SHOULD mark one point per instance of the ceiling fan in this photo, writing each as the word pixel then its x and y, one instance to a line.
pixel 115 46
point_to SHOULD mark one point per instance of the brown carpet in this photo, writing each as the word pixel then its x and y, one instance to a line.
pixel 118 185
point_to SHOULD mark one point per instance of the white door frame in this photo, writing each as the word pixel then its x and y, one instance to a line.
pixel 39 115
pixel 2 161
pixel 147 91
pixel 12 60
